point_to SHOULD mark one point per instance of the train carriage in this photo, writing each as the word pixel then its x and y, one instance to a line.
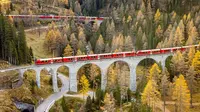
pixel 81 58
pixel 58 60
pixel 92 57
pixel 155 51
pixel 130 54
pixel 44 61
pixel 118 55
pixel 105 56
pixel 69 59
pixel 143 52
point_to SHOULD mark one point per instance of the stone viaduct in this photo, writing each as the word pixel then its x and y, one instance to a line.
pixel 102 64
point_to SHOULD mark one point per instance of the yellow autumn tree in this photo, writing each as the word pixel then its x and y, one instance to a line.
pixel 181 95
pixel 191 54
pixel 4 5
pixel 112 78
pixel 150 95
pixel 109 103
pixel 159 32
pixel 178 37
pixel 68 51
pixel 196 62
pixel 157 16
pixel 155 73
pixel 79 53
pixel 84 85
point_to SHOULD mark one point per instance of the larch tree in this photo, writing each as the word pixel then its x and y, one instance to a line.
pixel 118 43
pixel 170 43
pixel 191 55
pixel 142 7
pixel 157 17
pixel 128 44
pixel 94 72
pixel 178 37
pixel 190 77
pixel 77 8
pixel 112 77
pixel 155 74
pixel 4 5
pixel 193 37
pixel 168 31
pixel 74 42
pixel 189 27
pixel 149 11
pixel 178 63
pixel 81 35
pixel 68 51
pixel 79 53
pixel 159 33
pixel 181 95
pixel 123 79
pixel 164 85
pixel 150 95
pixel 99 45
pixel 81 46
pixel 140 16
pixel 107 48
pixel 139 43
pixel 110 30
pixel 109 103
pixel 144 41
pixel 84 83
pixel 196 62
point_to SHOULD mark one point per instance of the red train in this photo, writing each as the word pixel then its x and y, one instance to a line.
pixel 110 55
pixel 55 17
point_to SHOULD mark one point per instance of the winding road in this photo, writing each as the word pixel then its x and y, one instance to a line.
pixel 47 103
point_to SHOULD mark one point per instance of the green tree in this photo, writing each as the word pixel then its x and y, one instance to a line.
pixel 117 95
pixel 64 105
pixel 23 54
pixel 128 95
pixel 99 96
pixel 88 105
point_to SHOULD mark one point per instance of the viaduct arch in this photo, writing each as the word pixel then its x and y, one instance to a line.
pixel 102 64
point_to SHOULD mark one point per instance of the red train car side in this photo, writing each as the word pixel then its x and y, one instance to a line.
pixel 43 61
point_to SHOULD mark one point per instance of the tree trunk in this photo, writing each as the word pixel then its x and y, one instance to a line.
pixel 164 101
pixel 191 96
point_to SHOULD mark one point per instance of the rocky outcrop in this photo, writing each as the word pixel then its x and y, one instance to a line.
pixel 10 80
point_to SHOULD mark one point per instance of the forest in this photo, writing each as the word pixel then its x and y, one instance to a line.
pixel 132 26
pixel 139 25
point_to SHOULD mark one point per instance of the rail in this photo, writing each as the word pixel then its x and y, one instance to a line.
pixel 92 18
pixel 111 55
